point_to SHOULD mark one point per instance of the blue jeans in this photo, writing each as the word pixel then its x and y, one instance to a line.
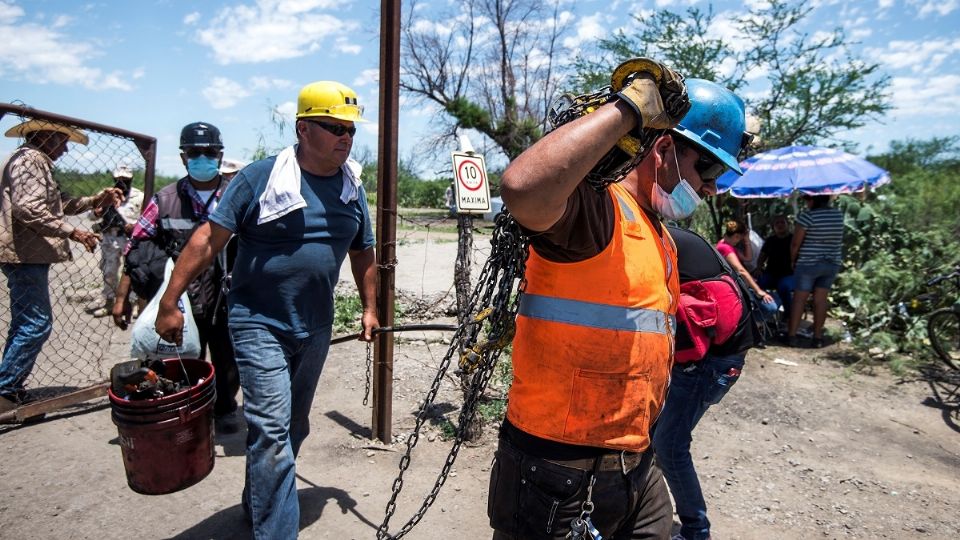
pixel 31 321
pixel 694 387
pixel 279 375
pixel 784 287
pixel 818 275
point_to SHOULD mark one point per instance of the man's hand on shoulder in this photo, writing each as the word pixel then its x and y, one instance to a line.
pixel 644 93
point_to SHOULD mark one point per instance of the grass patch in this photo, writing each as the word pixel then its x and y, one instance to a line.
pixel 347 310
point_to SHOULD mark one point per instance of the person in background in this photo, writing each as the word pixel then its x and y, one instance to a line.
pixel 230 167
pixel 695 385
pixel 115 225
pixel 297 215
pixel 168 220
pixel 816 253
pixel 449 201
pixel 33 235
pixel 595 329
pixel 775 265
pixel 735 232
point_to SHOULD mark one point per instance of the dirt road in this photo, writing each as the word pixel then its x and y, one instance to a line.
pixel 802 447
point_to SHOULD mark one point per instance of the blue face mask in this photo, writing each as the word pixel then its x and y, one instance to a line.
pixel 679 204
pixel 203 169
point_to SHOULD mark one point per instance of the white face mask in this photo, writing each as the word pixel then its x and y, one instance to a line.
pixel 679 204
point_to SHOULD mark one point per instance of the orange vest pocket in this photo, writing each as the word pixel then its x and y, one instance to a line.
pixel 609 408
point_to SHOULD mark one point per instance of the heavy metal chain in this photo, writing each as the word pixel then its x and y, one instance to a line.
pixel 616 163
pixel 493 307
pixel 366 385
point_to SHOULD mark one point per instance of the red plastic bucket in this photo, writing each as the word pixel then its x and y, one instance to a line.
pixel 167 443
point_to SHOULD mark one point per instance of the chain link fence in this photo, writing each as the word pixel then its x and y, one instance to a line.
pixel 74 362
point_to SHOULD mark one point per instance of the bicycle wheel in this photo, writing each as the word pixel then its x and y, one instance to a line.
pixel 943 327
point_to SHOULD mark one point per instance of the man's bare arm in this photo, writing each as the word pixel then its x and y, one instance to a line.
pixel 537 184
pixel 197 255
pixel 364 269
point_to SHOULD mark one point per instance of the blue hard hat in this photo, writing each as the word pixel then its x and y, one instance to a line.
pixel 716 121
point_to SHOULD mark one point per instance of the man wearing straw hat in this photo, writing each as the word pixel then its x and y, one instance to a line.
pixel 33 235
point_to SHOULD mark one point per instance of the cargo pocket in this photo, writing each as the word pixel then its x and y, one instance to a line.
pixel 549 498
pixel 606 406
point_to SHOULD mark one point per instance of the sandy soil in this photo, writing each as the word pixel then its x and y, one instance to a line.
pixel 803 447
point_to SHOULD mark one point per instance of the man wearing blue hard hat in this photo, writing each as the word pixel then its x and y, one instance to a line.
pixel 595 329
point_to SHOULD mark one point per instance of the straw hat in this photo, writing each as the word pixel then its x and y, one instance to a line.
pixel 231 166
pixel 22 130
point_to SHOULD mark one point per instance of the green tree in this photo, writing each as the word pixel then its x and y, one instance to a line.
pixel 816 88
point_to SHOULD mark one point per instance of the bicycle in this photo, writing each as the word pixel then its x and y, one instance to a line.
pixel 943 324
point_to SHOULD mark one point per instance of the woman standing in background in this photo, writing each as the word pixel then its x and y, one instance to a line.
pixel 816 255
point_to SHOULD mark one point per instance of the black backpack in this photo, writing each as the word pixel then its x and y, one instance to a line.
pixel 145 264
pixel 698 260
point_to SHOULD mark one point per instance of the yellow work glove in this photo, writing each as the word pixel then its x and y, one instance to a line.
pixel 644 90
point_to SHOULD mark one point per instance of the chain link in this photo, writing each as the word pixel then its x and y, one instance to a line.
pixel 616 163
pixel 366 386
pixel 501 275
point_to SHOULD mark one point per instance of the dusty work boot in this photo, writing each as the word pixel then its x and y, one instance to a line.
pixel 10 404
pixel 7 405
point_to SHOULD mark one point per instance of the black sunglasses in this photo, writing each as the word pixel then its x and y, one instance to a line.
pixel 707 167
pixel 338 130
pixel 210 152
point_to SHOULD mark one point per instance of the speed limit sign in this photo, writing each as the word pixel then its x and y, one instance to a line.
pixel 472 190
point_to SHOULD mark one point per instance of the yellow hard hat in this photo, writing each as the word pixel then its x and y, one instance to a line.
pixel 329 98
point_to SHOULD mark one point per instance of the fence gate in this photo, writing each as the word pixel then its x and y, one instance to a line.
pixel 75 361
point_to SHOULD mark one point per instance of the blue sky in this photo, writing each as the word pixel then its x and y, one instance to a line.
pixel 152 66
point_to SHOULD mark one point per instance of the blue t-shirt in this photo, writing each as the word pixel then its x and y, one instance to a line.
pixel 286 269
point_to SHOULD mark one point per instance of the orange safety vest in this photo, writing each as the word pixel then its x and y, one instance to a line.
pixel 594 339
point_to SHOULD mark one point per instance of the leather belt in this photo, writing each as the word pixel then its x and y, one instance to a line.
pixel 623 461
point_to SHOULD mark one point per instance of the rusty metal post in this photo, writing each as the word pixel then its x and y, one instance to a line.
pixel 386 214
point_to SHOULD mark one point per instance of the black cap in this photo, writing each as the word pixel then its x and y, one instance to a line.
pixel 200 134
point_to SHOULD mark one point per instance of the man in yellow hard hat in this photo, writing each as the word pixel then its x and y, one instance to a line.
pixel 298 215
pixel 33 235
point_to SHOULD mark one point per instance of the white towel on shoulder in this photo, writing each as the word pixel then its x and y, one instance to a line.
pixel 351 180
pixel 282 194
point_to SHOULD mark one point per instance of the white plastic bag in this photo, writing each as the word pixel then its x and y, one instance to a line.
pixel 146 344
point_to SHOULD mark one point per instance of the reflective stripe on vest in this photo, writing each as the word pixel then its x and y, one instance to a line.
pixel 594 338
pixel 594 315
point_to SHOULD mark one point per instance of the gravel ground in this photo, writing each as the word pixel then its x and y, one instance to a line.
pixel 804 446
